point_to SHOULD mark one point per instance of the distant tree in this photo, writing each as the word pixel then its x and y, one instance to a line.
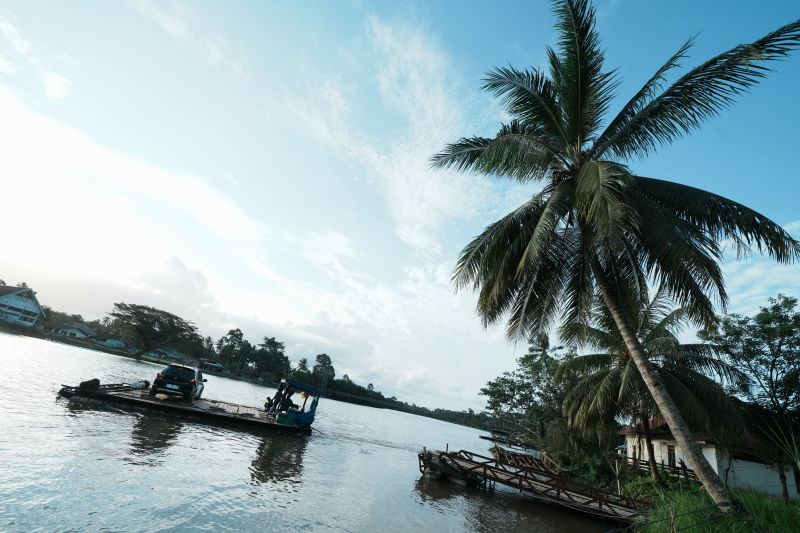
pixel 527 399
pixel 22 285
pixel 270 359
pixel 209 351
pixel 767 347
pixel 2 283
pixel 229 348
pixel 151 328
pixel 323 370
pixel 370 387
pixel 301 372
pixel 59 317
pixel 347 378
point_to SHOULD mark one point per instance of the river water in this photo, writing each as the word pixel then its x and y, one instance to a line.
pixel 65 467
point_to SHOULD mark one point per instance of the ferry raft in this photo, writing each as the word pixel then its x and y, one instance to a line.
pixel 203 410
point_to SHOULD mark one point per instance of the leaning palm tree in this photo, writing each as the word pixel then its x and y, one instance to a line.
pixel 605 387
pixel 596 225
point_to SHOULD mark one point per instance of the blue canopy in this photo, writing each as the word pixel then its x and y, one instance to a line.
pixel 303 388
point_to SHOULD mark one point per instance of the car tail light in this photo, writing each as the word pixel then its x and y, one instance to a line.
pixel 193 382
pixel 158 375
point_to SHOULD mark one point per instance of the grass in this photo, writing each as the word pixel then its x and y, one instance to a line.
pixel 691 509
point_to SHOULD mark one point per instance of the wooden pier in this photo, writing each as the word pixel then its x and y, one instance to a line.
pixel 542 484
pixel 204 410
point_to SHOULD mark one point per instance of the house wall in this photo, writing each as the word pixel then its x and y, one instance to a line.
pixel 661 451
pixel 15 309
pixel 761 477
pixel 742 474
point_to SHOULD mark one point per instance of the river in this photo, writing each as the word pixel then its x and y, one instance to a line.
pixel 65 467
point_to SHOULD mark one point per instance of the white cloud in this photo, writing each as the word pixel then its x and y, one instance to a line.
pixel 55 86
pixel 13 36
pixel 6 67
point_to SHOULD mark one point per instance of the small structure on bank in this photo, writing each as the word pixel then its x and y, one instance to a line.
pixel 744 468
pixel 76 330
pixel 19 306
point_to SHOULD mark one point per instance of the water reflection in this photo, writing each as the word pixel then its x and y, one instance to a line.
pixel 501 510
pixel 278 459
pixel 153 434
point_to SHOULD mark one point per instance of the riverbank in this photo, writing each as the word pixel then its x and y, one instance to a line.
pixel 692 509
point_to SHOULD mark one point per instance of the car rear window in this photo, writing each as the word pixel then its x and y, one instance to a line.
pixel 179 371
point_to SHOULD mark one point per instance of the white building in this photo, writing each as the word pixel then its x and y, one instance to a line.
pixel 19 306
pixel 75 330
pixel 744 469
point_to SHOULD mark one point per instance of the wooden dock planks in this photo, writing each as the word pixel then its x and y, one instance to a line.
pixel 542 484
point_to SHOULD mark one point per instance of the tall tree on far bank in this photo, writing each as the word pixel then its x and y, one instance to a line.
pixel 150 328
pixel 323 370
pixel 597 226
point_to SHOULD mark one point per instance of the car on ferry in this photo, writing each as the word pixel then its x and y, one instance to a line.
pixel 179 380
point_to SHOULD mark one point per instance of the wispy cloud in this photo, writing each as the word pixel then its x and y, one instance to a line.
pixel 53 85
pixel 415 80
pixel 752 280
pixel 177 22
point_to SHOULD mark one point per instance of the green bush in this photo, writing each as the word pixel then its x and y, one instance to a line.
pixel 691 509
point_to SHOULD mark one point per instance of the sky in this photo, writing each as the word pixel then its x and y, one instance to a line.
pixel 264 165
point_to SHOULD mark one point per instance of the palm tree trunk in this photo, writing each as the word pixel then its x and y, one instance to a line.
pixel 677 425
pixel 650 453
pixel 784 487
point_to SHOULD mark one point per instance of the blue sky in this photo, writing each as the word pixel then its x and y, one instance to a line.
pixel 264 164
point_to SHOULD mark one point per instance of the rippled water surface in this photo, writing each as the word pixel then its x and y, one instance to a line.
pixel 69 467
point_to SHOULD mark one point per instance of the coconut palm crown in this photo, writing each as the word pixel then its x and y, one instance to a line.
pixel 596 225
pixel 605 387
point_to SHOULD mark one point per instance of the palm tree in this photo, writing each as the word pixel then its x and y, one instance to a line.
pixel 596 225
pixel 605 387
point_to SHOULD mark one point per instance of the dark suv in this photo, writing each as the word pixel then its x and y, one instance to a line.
pixel 180 380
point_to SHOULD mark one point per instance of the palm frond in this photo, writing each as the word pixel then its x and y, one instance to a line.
pixel 583 365
pixel 519 151
pixel 584 91
pixel 537 301
pixel 530 97
pixel 721 218
pixel 486 252
pixel 599 198
pixel 682 258
pixel 641 98
pixel 698 95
